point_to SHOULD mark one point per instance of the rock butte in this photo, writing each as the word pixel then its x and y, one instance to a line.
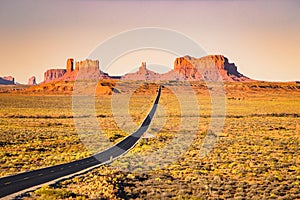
pixel 31 81
pixel 208 68
pixel 7 80
pixel 142 74
pixel 87 69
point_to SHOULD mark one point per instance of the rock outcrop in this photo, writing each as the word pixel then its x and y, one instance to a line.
pixel 209 68
pixel 69 65
pixel 86 69
pixel 142 74
pixel 7 80
pixel 89 69
pixel 185 68
pixel 53 74
pixel 32 81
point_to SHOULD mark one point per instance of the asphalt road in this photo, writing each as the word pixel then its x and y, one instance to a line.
pixel 15 183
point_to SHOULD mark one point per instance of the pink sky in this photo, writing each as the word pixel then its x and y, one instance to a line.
pixel 260 37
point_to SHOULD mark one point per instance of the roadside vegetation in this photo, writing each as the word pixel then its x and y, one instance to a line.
pixel 257 155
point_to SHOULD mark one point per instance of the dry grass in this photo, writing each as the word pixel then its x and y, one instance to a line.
pixel 257 154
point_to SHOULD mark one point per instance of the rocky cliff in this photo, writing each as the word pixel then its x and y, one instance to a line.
pixel 53 74
pixel 89 69
pixel 7 80
pixel 210 68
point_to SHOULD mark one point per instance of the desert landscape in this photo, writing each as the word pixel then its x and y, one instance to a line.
pixel 255 157
pixel 149 100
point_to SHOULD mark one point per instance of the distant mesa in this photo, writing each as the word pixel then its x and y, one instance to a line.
pixel 32 81
pixel 7 80
pixel 86 69
pixel 208 68
pixel 53 74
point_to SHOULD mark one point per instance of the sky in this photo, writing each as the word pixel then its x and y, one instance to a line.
pixel 260 37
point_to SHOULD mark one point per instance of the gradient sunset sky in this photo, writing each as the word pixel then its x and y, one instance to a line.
pixel 261 37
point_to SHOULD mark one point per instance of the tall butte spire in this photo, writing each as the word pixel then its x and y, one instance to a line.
pixel 143 68
pixel 70 64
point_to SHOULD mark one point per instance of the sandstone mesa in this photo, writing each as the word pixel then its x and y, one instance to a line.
pixel 208 68
pixel 87 69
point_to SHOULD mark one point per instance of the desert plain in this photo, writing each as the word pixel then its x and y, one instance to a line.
pixel 256 156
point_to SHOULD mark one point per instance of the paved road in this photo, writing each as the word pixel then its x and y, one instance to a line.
pixel 19 182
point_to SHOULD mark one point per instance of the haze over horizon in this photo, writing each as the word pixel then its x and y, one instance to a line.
pixel 260 37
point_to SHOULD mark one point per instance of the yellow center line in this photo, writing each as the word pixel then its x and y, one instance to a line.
pixel 41 174
pixel 52 171
pixel 7 183
pixel 26 178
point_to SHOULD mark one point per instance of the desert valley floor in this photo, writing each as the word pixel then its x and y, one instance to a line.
pixel 257 155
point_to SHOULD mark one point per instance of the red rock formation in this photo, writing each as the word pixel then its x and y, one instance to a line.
pixel 88 64
pixel 142 74
pixel 76 66
pixel 89 69
pixel 7 80
pixel 69 65
pixel 86 69
pixel 211 68
pixel 31 81
pixel 172 75
pixel 53 74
